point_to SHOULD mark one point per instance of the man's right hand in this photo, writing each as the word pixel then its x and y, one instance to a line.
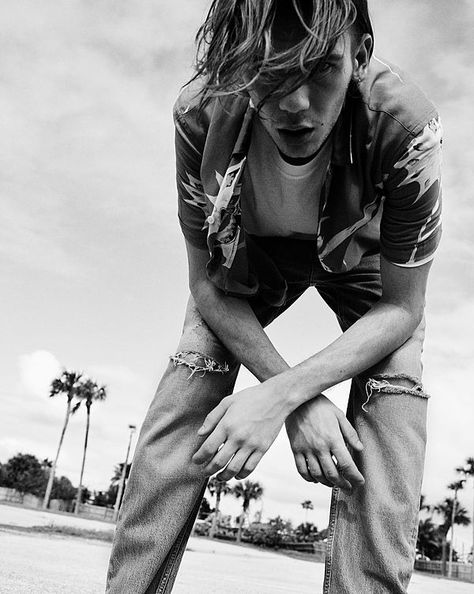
pixel 319 430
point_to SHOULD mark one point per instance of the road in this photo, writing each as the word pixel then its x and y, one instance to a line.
pixel 32 563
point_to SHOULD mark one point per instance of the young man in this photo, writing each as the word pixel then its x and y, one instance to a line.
pixel 302 160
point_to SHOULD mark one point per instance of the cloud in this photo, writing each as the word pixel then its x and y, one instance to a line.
pixel 37 370
pixel 87 186
pixel 87 164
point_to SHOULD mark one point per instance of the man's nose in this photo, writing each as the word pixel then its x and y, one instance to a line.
pixel 297 100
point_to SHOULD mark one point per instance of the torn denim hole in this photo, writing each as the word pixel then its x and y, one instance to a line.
pixel 381 383
pixel 197 362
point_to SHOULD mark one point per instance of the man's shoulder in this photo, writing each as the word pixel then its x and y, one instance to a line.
pixel 390 95
pixel 194 118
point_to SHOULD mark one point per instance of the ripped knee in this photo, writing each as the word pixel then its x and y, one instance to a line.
pixel 198 363
pixel 385 383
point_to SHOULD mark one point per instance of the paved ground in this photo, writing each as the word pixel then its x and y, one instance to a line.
pixel 36 563
pixel 15 515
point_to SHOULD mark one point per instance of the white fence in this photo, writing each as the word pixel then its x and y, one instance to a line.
pixel 460 571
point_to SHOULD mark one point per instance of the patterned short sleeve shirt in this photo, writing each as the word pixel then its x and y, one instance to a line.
pixel 382 190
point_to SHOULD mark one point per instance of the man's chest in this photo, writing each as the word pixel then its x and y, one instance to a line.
pixel 279 198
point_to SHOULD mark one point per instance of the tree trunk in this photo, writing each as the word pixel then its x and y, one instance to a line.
pixel 239 529
pixel 52 472
pixel 444 545
pixel 79 489
pixel 212 531
pixel 243 515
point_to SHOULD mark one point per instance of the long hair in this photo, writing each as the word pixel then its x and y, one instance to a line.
pixel 236 42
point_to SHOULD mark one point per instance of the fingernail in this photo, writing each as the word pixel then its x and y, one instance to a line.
pixel 360 445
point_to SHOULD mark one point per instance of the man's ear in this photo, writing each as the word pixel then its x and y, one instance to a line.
pixel 361 58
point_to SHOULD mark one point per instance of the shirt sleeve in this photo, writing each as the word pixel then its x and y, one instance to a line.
pixel 192 200
pixel 411 219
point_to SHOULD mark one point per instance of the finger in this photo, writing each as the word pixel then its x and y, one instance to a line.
pixel 250 465
pixel 220 458
pixel 210 446
pixel 315 470
pixel 347 467
pixel 234 466
pixel 350 434
pixel 212 418
pixel 302 467
pixel 332 474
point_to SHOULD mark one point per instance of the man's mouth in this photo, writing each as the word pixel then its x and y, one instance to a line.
pixel 293 134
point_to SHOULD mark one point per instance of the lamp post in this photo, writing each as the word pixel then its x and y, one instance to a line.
pixel 124 474
pixel 455 487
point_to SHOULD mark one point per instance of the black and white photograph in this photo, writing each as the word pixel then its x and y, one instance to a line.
pixel 237 297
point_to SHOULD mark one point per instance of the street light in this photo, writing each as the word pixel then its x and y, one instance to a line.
pixel 455 487
pixel 124 474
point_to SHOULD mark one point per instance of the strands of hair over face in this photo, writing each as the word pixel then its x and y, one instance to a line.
pixel 278 42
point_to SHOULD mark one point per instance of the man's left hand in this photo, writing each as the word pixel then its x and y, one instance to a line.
pixel 246 423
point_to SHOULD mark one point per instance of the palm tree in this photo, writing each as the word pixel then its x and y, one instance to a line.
pixel 67 384
pixel 115 480
pixel 248 491
pixel 468 472
pixel 456 486
pixel 306 532
pixel 429 539
pixel 89 392
pixel 445 510
pixel 118 470
pixel 217 488
pixel 306 505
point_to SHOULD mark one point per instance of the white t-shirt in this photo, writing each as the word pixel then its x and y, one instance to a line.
pixel 280 199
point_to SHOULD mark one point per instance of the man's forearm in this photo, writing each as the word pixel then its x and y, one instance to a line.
pixel 235 324
pixel 374 336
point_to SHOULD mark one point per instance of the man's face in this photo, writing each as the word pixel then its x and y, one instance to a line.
pixel 301 121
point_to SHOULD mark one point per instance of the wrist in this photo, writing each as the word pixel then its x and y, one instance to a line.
pixel 299 388
pixel 289 391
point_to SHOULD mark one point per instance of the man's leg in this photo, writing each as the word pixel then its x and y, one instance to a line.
pixel 372 533
pixel 165 488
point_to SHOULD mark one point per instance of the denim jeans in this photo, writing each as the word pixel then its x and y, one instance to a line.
pixel 372 533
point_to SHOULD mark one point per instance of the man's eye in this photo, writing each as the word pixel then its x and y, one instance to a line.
pixel 322 70
pixel 326 67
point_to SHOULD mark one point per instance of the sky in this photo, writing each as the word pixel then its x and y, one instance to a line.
pixel 92 260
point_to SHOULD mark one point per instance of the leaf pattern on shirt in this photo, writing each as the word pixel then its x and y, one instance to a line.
pixel 421 161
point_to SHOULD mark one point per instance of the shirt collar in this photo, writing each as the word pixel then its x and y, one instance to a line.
pixel 342 154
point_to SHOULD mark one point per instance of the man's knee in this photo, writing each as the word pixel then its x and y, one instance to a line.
pixel 199 363
pixel 393 383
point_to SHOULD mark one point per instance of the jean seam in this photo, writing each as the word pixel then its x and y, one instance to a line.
pixel 169 566
pixel 330 540
pixel 161 588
